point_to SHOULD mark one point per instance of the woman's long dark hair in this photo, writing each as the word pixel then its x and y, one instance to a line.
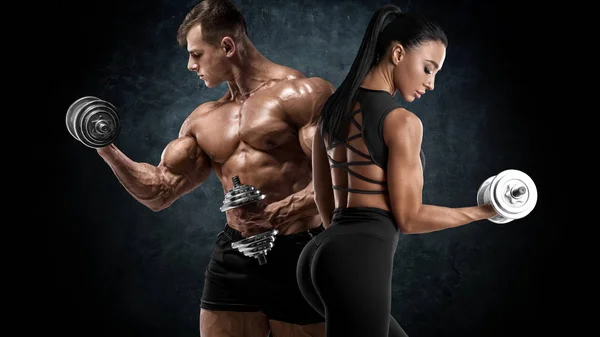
pixel 407 28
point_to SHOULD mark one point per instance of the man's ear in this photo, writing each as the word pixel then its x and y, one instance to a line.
pixel 228 46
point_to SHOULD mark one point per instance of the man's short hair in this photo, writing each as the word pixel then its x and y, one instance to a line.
pixel 218 18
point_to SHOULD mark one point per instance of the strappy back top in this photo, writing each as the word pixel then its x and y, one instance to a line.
pixel 375 105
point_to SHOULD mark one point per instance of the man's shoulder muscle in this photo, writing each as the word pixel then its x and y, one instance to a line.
pixel 303 98
pixel 308 87
pixel 287 73
pixel 199 112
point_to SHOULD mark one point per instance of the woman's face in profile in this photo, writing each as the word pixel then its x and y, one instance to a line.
pixel 416 68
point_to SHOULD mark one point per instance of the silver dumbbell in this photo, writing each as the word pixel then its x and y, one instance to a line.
pixel 93 121
pixel 257 246
pixel 240 195
pixel 512 193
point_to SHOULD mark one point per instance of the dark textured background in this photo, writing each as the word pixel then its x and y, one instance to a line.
pixel 119 269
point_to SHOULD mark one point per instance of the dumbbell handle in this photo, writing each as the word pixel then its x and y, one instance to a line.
pixel 515 193
pixel 101 126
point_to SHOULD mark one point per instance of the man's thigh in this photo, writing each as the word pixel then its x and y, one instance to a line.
pixel 283 302
pixel 233 324
pixel 283 329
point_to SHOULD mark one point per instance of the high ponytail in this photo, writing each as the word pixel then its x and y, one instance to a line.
pixel 337 107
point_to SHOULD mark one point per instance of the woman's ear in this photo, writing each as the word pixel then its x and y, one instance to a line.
pixel 397 53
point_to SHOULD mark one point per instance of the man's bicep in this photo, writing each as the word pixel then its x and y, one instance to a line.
pixel 305 108
pixel 306 136
pixel 184 164
pixel 183 159
pixel 322 185
pixel 321 169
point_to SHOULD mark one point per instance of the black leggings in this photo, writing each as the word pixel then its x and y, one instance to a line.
pixel 345 273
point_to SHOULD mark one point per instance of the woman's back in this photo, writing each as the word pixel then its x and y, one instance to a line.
pixel 359 162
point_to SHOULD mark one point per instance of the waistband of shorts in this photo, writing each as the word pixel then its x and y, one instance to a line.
pixel 357 211
pixel 236 235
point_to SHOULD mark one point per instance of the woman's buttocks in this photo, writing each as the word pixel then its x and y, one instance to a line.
pixel 362 221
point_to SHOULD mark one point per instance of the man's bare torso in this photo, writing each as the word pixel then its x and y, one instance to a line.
pixel 257 140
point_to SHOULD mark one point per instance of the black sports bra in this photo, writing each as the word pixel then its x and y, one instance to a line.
pixel 375 106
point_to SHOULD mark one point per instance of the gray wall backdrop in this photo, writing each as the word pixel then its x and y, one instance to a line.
pixel 120 269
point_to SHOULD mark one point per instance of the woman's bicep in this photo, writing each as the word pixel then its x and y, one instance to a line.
pixel 403 134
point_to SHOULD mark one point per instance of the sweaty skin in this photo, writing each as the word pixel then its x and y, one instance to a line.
pixel 264 137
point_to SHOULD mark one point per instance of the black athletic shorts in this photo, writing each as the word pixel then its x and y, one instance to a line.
pixel 234 282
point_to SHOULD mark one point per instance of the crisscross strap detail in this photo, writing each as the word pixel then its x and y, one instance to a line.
pixel 346 165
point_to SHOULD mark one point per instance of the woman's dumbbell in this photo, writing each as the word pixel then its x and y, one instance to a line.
pixel 512 193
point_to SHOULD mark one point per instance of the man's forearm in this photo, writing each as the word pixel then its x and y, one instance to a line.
pixel 141 180
pixel 296 206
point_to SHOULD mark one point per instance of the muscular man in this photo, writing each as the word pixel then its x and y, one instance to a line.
pixel 261 130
